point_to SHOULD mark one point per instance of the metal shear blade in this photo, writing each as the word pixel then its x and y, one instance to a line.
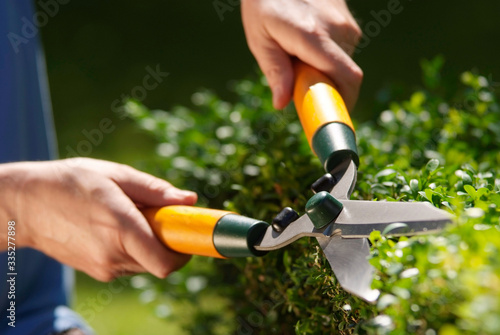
pixel 359 218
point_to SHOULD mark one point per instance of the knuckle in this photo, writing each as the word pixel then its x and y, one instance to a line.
pixel 353 74
pixel 78 162
pixel 123 169
pixel 97 192
pixel 312 28
pixel 273 73
pixel 350 31
pixel 107 277
pixel 357 74
pixel 254 47
pixel 356 32
pixel 103 275
pixel 130 224
pixel 103 265
pixel 344 27
pixel 156 184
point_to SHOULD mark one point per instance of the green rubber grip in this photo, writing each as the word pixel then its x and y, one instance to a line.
pixel 333 143
pixel 236 235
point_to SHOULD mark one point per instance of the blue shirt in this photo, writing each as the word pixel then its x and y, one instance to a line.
pixel 42 285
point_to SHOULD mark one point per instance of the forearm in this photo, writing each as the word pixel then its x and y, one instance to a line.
pixel 83 213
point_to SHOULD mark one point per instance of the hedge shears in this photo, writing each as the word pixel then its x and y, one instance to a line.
pixel 340 225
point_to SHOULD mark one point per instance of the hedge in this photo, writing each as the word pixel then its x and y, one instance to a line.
pixel 440 145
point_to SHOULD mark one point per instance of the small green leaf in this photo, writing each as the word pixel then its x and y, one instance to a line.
pixel 386 173
pixel 432 165
pixel 466 179
pixel 482 191
pixel 428 195
pixel 414 185
pixel 471 191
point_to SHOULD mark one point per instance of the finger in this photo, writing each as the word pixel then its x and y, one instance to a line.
pixel 342 27
pixel 140 243
pixel 326 56
pixel 177 261
pixel 106 273
pixel 277 67
pixel 150 191
pixel 347 36
pixel 126 267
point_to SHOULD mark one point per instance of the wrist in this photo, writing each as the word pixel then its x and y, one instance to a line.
pixel 11 206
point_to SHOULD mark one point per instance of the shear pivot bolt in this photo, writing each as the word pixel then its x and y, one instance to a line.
pixel 284 218
pixel 322 209
pixel 324 183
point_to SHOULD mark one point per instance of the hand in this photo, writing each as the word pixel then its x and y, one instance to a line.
pixel 84 213
pixel 321 33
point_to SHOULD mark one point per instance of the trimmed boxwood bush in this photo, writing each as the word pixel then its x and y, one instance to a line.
pixel 436 146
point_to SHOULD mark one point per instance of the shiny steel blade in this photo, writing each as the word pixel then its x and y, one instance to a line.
pixel 359 218
pixel 349 261
pixel 346 175
pixel 348 257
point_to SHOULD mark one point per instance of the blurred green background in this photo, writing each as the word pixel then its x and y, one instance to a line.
pixel 98 50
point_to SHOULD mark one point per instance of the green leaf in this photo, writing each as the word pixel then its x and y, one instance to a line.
pixel 482 191
pixel 428 195
pixel 414 185
pixel 432 165
pixel 471 191
pixel 386 174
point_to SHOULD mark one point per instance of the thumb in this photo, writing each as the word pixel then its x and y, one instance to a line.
pixel 151 191
pixel 277 67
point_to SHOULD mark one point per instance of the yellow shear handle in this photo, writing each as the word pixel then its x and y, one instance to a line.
pixel 317 100
pixel 186 229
